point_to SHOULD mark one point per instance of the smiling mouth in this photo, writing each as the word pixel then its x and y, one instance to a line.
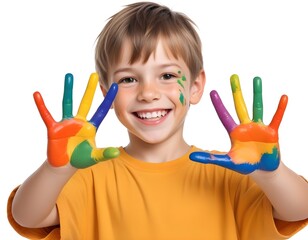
pixel 152 115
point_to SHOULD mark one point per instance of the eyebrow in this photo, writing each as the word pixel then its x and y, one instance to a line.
pixel 158 66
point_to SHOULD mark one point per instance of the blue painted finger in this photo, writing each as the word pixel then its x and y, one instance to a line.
pixel 103 109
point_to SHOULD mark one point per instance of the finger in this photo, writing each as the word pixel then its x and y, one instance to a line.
pixel 45 114
pixel 87 98
pixel 239 102
pixel 222 160
pixel 223 114
pixel 275 123
pixel 257 100
pixel 67 102
pixel 84 155
pixel 208 157
pixel 107 153
pixel 103 109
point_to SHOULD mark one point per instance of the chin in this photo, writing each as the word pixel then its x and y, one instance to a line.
pixel 149 138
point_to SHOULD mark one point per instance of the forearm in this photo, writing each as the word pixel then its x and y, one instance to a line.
pixel 35 199
pixel 287 191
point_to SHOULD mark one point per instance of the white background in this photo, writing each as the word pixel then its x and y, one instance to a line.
pixel 43 40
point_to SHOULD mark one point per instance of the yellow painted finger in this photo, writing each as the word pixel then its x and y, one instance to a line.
pixel 87 98
pixel 238 99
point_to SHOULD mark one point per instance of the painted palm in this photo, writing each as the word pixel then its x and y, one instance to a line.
pixel 254 145
pixel 72 140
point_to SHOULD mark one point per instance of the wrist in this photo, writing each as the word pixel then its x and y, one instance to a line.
pixel 265 176
pixel 64 170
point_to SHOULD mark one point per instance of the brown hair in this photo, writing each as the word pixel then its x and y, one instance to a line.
pixel 143 24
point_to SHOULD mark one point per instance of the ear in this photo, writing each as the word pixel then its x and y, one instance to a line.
pixel 197 88
pixel 104 91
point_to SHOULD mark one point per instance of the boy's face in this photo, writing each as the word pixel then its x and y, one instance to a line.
pixel 154 97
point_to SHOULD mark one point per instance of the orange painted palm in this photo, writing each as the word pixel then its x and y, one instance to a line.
pixel 72 140
pixel 254 145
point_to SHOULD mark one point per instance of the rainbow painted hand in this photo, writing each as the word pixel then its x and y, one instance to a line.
pixel 254 146
pixel 72 140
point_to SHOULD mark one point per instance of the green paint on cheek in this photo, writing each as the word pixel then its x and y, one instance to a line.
pixel 182 98
pixel 179 82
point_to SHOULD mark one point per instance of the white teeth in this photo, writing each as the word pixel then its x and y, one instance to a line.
pixel 151 115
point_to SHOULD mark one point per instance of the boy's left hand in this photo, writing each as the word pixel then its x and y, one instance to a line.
pixel 254 146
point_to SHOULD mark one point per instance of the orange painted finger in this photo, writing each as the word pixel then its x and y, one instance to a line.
pixel 275 123
pixel 45 114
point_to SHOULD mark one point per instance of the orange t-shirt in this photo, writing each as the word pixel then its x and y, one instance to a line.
pixel 129 199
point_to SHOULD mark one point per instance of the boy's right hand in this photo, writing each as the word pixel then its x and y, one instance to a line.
pixel 72 140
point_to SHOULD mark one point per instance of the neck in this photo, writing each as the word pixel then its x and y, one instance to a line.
pixel 156 152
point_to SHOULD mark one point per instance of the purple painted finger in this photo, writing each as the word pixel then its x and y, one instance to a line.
pixel 223 114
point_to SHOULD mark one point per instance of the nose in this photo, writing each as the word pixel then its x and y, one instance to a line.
pixel 148 92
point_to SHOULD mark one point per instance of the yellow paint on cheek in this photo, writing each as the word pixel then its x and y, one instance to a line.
pixel 250 152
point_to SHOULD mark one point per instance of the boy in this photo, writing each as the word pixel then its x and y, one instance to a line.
pixel 150 59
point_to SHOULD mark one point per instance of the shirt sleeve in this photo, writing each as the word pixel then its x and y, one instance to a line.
pixel 290 228
pixel 254 214
pixel 47 233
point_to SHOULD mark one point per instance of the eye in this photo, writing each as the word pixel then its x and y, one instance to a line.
pixel 127 80
pixel 168 76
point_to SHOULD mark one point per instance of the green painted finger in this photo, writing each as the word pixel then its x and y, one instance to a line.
pixel 257 100
pixel 67 102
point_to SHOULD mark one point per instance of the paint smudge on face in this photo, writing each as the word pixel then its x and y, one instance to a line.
pixel 182 98
pixel 181 81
